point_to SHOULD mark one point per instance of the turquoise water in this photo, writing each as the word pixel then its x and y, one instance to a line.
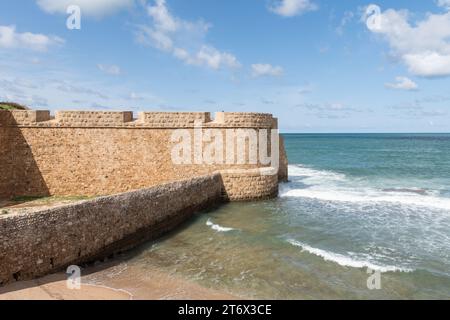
pixel 378 201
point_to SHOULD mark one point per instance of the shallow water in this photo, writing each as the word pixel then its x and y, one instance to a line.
pixel 354 202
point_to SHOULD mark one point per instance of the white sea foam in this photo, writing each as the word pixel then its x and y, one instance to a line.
pixel 309 173
pixel 346 261
pixel 331 186
pixel 217 227
pixel 349 196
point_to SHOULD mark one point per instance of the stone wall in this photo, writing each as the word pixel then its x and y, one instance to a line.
pixel 37 243
pixel 94 153
pixel 5 162
pixel 242 185
pixel 97 153
pixel 283 174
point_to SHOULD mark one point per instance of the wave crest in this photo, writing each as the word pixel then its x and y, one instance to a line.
pixel 331 186
pixel 217 227
pixel 346 261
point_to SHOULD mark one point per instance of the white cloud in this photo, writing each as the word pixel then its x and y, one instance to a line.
pixel 34 101
pixel 402 83
pixel 135 96
pixel 347 18
pixel 69 88
pixel 428 64
pixel 22 91
pixel 183 39
pixel 213 58
pixel 259 70
pixel 424 47
pixel 11 39
pixel 96 8
pixel 164 21
pixel 336 106
pixel 444 4
pixel 110 69
pixel 290 8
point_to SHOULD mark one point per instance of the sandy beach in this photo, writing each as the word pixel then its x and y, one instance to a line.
pixel 112 283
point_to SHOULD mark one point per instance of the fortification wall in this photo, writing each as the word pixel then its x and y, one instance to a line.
pixel 283 174
pixel 242 185
pixel 98 153
pixel 114 119
pixel 37 243
pixel 5 162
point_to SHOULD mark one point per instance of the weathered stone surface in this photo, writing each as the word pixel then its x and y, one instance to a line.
pixel 93 153
pixel 34 244
pixel 283 173
pixel 245 185
pixel 97 153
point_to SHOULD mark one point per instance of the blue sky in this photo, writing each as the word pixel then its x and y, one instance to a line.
pixel 314 64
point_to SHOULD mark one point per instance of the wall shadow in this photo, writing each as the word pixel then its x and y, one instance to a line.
pixel 20 172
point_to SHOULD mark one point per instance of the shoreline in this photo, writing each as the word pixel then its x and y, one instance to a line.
pixel 113 282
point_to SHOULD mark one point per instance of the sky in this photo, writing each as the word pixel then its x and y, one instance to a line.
pixel 319 66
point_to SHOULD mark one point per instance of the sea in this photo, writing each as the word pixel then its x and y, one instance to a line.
pixel 363 216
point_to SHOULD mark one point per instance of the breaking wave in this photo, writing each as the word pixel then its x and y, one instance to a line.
pixel 332 186
pixel 347 261
pixel 217 227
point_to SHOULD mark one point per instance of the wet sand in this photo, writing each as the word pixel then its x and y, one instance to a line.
pixel 114 282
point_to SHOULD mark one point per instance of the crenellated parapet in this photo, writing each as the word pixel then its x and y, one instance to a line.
pixel 125 119
pixel 23 117
pixel 244 120
pixel 92 118
pixel 172 119
pixel 106 152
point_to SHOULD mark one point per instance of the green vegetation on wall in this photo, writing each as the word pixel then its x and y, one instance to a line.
pixel 12 106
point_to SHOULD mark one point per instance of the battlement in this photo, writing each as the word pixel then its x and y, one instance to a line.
pixel 93 118
pixel 23 117
pixel 245 120
pixel 106 152
pixel 125 119
pixel 173 119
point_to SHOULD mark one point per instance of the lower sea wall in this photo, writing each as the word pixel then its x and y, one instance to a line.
pixel 33 244
pixel 250 184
